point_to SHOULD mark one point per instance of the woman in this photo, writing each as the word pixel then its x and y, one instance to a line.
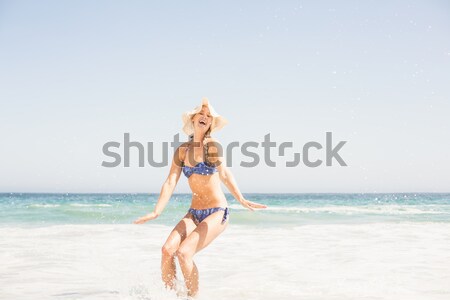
pixel 201 161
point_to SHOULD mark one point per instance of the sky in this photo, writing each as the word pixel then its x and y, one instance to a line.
pixel 75 75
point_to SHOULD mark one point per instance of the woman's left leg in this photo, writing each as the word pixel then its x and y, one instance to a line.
pixel 202 236
pixel 176 237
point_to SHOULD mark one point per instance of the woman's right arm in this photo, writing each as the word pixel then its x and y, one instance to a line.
pixel 167 188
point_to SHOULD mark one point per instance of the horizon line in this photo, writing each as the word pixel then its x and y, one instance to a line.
pixel 149 193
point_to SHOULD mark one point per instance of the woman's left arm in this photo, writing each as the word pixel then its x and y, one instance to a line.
pixel 215 152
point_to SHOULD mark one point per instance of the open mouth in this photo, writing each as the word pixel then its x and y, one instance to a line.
pixel 202 122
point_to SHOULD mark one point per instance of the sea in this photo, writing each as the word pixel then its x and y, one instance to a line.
pixel 302 246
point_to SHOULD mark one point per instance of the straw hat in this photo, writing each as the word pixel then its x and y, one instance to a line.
pixel 217 123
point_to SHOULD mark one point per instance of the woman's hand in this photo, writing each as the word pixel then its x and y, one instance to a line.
pixel 251 205
pixel 146 218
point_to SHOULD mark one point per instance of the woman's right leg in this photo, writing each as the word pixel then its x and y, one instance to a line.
pixel 170 247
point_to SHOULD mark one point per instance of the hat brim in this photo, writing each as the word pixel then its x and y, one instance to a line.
pixel 217 123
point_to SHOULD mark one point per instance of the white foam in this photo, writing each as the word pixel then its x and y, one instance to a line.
pixel 386 209
pixel 90 205
pixel 364 261
pixel 44 205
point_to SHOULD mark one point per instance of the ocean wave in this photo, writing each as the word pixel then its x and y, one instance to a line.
pixel 370 209
pixel 90 205
pixel 44 205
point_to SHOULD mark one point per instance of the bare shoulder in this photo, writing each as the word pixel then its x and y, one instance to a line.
pixel 214 146
pixel 180 152
pixel 215 151
pixel 183 146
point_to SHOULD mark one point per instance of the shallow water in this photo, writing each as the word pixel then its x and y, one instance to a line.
pixel 365 249
pixel 283 209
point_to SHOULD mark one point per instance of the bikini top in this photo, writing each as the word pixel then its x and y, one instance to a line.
pixel 201 168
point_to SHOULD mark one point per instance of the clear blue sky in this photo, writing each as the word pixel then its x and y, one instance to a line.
pixel 77 74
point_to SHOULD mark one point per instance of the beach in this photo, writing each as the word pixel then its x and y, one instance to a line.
pixel 333 115
pixel 305 246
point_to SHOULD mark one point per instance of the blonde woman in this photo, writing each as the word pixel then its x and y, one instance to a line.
pixel 201 161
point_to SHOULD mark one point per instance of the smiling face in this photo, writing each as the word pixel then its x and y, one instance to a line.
pixel 202 120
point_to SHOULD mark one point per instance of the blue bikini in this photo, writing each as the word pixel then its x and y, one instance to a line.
pixel 200 214
pixel 201 168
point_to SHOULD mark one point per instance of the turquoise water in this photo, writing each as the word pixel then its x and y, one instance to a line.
pixel 283 209
pixel 304 246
